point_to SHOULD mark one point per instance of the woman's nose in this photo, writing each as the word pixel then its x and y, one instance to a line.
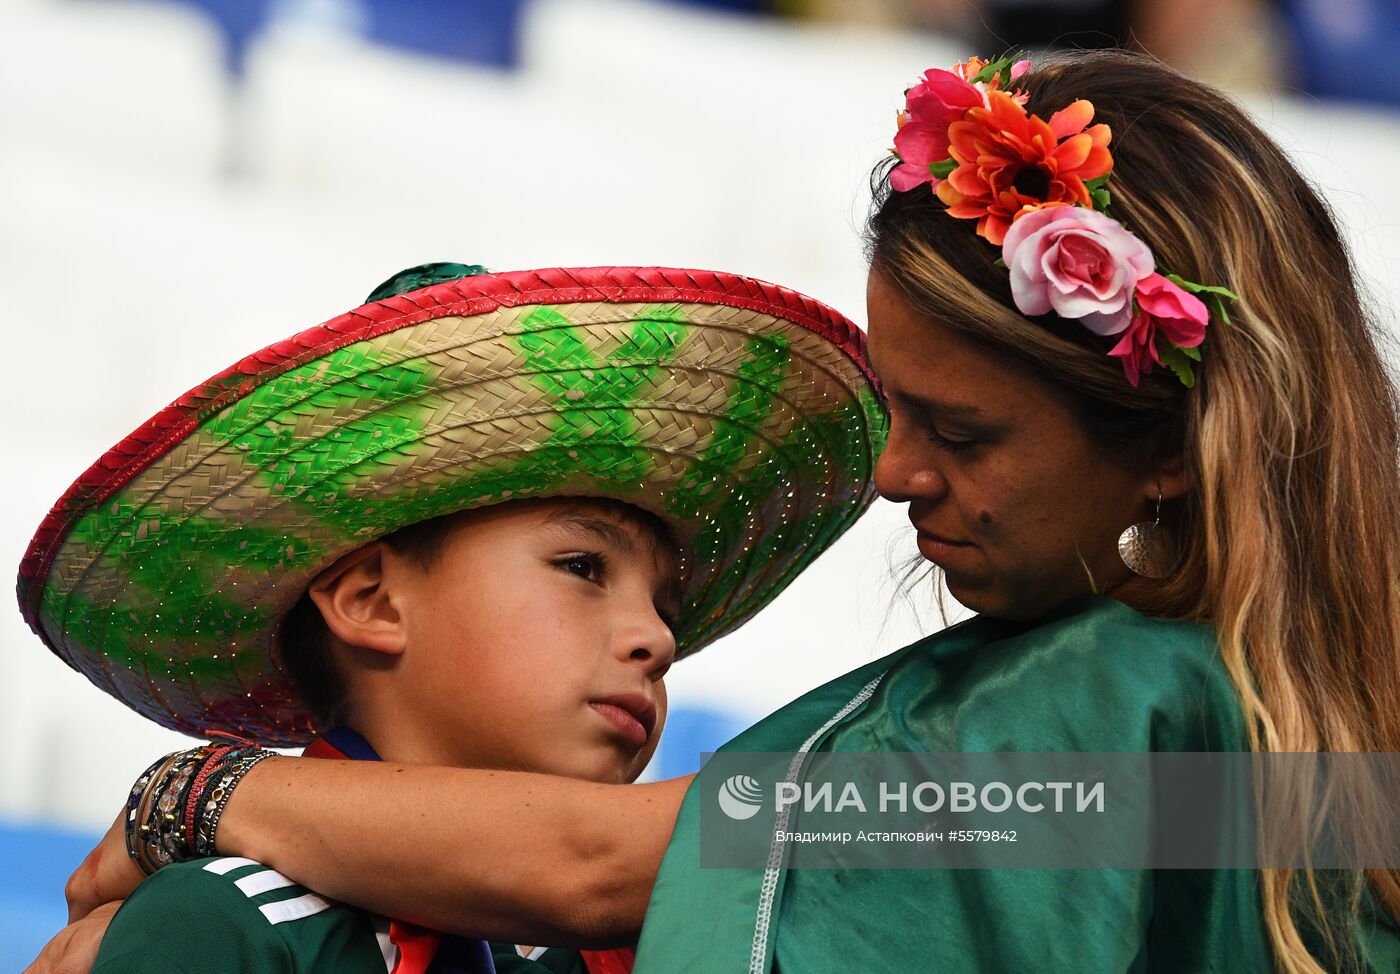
pixel 905 471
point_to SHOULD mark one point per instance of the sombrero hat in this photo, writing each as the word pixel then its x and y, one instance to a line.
pixel 744 414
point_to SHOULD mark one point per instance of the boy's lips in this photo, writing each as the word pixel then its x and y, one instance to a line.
pixel 633 716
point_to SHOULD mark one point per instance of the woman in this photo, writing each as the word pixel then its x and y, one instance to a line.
pixel 1252 443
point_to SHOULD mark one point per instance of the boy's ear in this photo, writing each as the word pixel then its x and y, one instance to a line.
pixel 357 604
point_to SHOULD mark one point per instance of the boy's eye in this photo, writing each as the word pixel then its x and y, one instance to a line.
pixel 589 566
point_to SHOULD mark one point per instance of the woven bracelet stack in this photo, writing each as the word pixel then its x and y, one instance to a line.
pixel 174 808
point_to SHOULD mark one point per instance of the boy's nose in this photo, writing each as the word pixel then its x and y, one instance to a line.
pixel 651 644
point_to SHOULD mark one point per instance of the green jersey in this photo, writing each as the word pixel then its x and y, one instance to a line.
pixel 1093 676
pixel 233 916
pixel 554 960
pixel 229 915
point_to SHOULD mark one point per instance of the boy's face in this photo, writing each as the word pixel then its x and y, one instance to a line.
pixel 538 640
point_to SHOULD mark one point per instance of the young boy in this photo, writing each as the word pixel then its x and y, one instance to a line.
pixel 469 524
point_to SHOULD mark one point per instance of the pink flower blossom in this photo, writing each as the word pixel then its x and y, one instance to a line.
pixel 933 104
pixel 1165 309
pixel 942 96
pixel 918 145
pixel 1076 262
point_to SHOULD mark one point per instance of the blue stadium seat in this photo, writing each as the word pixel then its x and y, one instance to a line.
pixel 38 860
pixel 1345 48
pixel 475 31
pixel 690 733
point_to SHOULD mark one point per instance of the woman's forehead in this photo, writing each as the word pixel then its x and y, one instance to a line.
pixel 917 357
pixel 928 366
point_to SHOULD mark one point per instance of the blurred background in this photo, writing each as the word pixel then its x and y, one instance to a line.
pixel 184 182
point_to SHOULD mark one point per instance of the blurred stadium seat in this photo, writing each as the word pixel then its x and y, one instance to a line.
pixel 477 31
pixel 135 85
pixel 1332 38
pixel 693 731
pixel 32 910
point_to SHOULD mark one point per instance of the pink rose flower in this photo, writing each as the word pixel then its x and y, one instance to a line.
pixel 933 104
pixel 1076 262
pixel 1165 309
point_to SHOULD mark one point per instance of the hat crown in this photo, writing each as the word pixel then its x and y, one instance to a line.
pixel 424 275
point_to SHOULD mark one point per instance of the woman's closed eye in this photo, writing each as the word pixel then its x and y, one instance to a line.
pixel 949 444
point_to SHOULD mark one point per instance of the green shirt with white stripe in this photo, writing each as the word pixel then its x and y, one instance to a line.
pixel 230 915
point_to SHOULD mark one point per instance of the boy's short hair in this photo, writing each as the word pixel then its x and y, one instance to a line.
pixel 305 642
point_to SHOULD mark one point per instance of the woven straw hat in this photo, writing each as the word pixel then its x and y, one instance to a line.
pixel 742 413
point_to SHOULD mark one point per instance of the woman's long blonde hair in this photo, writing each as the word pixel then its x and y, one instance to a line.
pixel 1290 537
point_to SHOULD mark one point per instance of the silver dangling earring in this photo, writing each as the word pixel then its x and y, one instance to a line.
pixel 1148 549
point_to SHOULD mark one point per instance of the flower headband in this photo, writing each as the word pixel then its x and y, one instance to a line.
pixel 1038 189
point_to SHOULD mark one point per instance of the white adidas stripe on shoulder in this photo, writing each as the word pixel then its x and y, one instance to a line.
pixel 263 882
pixel 294 909
pixel 220 867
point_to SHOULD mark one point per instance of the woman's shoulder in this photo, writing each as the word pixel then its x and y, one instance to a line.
pixel 787 727
pixel 1095 674
pixel 1097 636
pixel 1101 675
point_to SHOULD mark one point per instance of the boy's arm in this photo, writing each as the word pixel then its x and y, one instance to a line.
pixel 509 856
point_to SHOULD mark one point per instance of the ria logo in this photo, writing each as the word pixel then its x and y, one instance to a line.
pixel 740 797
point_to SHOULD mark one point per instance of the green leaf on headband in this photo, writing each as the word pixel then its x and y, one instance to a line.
pixel 940 170
pixel 1098 192
pixel 1195 288
pixel 1193 353
pixel 1213 295
pixel 1000 262
pixel 1174 358
pixel 1001 66
pixel 988 72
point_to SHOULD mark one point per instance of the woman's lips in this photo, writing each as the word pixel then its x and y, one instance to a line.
pixel 633 717
pixel 938 550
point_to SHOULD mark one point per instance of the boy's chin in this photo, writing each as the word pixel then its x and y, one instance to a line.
pixel 612 770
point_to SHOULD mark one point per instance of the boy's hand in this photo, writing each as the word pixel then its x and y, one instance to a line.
pixel 107 875
pixel 73 950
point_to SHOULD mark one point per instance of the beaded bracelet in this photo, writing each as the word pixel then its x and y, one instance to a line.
pixel 209 804
pixel 137 807
pixel 173 810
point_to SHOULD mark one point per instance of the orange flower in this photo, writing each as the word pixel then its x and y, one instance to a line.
pixel 1011 163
